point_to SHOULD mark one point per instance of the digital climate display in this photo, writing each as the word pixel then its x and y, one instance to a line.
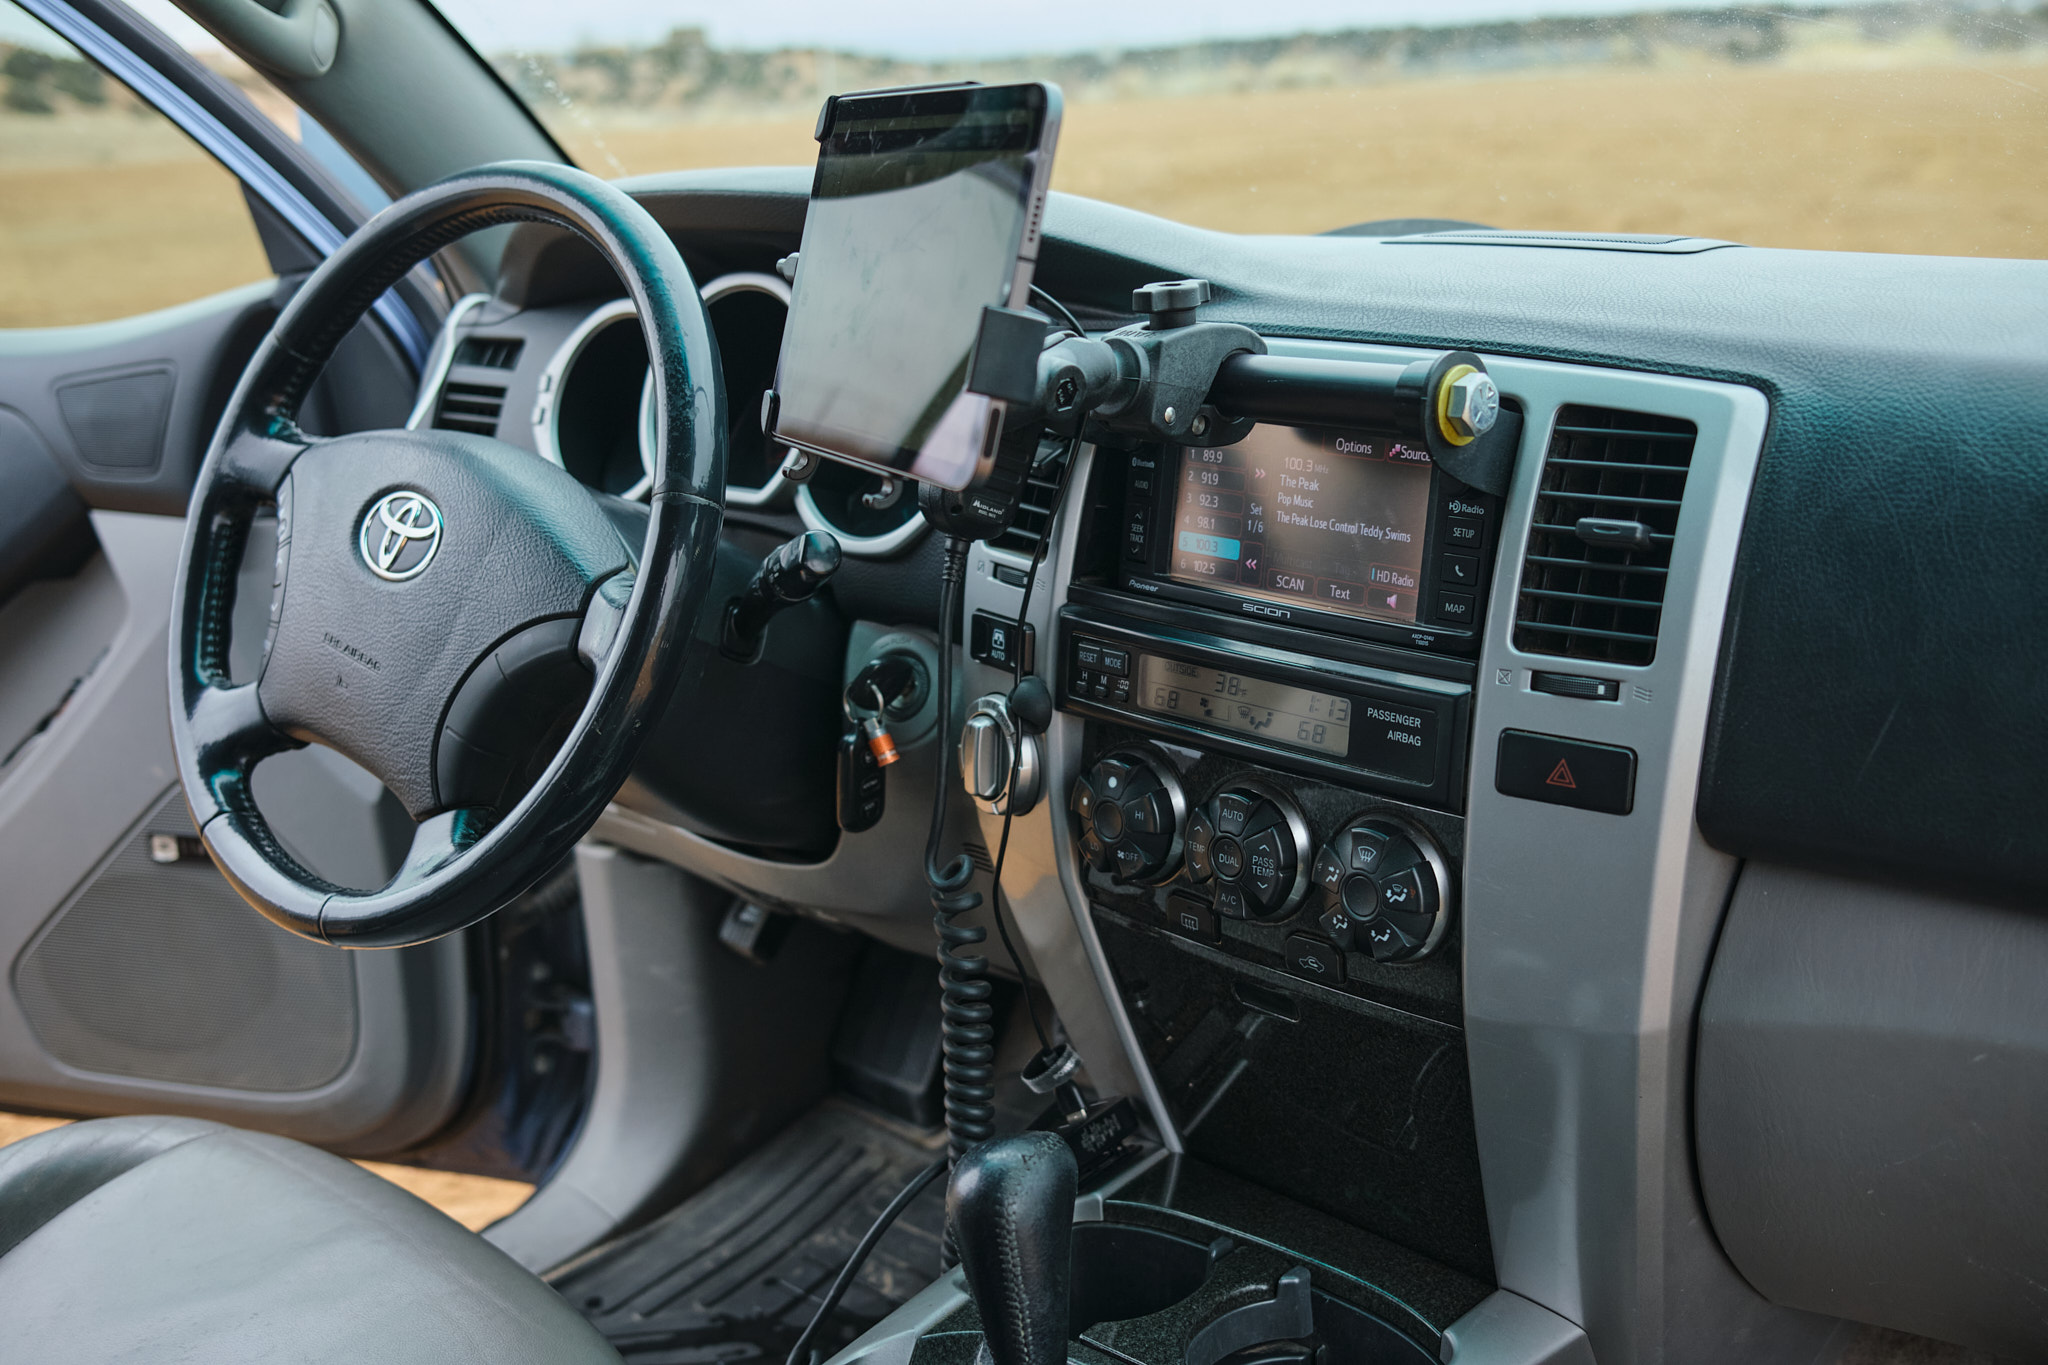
pixel 1309 516
pixel 1273 712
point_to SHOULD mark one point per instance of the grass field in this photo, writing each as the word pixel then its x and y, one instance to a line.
pixel 1946 158
pixel 108 213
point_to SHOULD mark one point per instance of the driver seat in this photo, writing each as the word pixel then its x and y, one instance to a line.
pixel 158 1239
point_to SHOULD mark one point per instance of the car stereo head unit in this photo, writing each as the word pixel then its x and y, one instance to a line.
pixel 1352 532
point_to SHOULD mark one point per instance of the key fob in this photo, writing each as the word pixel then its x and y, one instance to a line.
pixel 863 785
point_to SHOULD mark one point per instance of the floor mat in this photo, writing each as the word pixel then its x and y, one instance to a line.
pixel 735 1272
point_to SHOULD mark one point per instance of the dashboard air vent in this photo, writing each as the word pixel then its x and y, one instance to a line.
pixel 472 408
pixel 1035 503
pixel 490 353
pixel 1600 542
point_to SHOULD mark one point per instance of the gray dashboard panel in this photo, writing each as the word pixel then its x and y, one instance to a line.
pixel 1588 936
pixel 1041 878
pixel 1873 1106
pixel 1907 402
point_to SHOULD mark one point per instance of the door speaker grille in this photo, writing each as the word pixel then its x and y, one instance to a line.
pixel 159 971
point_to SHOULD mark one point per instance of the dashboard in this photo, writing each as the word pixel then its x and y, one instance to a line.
pixel 1401 843
pixel 570 382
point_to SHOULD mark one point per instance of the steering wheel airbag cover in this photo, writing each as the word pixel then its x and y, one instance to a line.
pixel 464 864
pixel 355 654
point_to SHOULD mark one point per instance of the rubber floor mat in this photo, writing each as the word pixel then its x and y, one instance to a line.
pixel 735 1272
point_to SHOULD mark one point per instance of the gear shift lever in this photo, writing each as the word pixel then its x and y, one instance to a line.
pixel 1011 1205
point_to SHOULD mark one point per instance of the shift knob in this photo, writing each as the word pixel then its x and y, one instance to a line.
pixel 1011 1205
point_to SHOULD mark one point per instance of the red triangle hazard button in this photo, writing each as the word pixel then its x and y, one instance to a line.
pixel 1566 772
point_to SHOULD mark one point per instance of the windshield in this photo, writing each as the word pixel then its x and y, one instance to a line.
pixel 1875 127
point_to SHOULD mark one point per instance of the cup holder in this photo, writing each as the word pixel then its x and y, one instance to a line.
pixel 1130 1272
pixel 1124 1273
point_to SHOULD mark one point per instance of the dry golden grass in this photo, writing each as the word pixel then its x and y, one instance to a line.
pixel 107 214
pixel 1943 158
pixel 472 1200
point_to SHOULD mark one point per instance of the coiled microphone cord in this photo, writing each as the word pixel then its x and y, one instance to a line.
pixel 967 1028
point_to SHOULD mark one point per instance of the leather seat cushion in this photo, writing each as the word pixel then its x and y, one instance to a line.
pixel 152 1239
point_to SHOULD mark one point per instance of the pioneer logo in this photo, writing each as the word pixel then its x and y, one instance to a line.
pixel 1277 613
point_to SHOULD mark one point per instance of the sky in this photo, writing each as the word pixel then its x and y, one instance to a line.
pixel 917 28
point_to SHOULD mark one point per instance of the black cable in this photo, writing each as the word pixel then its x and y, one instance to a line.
pixel 1059 498
pixel 951 574
pixel 1056 306
pixel 967 1028
pixel 967 1034
pixel 859 1258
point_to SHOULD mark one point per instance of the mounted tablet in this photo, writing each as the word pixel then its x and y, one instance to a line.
pixel 924 215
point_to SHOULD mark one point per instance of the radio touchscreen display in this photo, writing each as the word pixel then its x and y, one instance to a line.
pixel 1309 516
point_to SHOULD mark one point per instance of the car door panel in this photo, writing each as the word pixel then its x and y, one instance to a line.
pixel 43 528
pixel 136 979
pixel 124 407
pixel 146 985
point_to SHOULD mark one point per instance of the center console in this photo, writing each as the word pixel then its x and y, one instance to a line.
pixel 1362 843
pixel 1262 657
pixel 1269 646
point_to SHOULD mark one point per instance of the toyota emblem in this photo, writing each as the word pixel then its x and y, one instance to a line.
pixel 400 533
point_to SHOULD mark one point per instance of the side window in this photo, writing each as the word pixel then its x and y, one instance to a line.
pixel 107 209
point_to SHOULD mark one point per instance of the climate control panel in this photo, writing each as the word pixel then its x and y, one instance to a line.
pixel 1247 869
pixel 1380 890
pixel 1131 811
pixel 1250 845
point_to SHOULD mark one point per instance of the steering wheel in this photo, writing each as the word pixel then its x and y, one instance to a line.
pixel 444 601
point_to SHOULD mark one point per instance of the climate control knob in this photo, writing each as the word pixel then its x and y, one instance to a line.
pixel 1250 844
pixel 1130 809
pixel 1381 888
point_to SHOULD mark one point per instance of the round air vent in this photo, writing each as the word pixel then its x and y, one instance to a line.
pixel 874 515
pixel 600 424
pixel 747 311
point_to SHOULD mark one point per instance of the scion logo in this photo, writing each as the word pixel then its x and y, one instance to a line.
pixel 400 534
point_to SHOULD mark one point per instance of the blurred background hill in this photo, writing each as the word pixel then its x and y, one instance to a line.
pixel 1891 126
